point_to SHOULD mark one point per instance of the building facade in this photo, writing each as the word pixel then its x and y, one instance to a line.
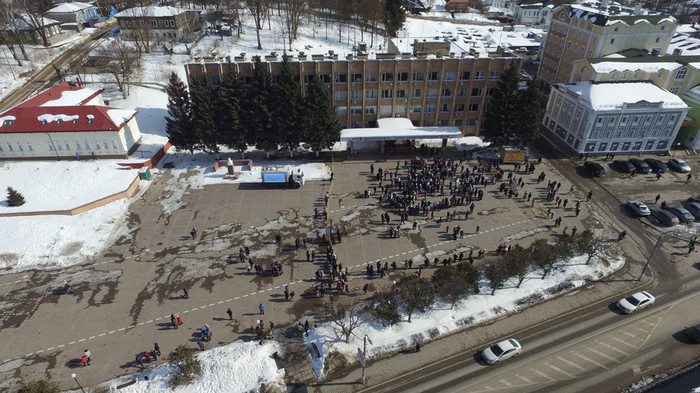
pixel 427 89
pixel 159 23
pixel 618 118
pixel 536 14
pixel 18 28
pixel 579 32
pixel 80 14
pixel 67 122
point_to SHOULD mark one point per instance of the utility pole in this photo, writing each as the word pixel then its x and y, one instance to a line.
pixel 363 358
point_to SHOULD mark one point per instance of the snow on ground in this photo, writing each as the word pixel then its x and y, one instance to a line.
pixel 440 319
pixel 438 11
pixel 237 367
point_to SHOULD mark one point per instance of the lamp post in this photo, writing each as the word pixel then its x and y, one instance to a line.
pixel 76 381
pixel 363 358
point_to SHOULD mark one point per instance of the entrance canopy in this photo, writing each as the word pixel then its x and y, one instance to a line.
pixel 398 128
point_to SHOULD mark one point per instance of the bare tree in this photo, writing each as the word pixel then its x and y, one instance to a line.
pixel 32 13
pixel 119 61
pixel 293 11
pixel 140 29
pixel 258 10
pixel 8 10
pixel 346 318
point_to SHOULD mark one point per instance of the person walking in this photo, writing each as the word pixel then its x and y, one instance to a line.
pixel 193 233
pixel 656 200
pixel 308 256
pixel 139 360
pixel 261 307
pixel 185 295
pixel 200 344
pixel 173 321
pixel 306 327
pixel 230 314
pixel 589 196
pixel 477 229
pixel 87 355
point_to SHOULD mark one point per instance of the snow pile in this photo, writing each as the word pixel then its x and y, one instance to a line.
pixel 237 367
pixel 474 309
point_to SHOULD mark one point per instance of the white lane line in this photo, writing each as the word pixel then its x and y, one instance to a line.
pixel 50 349
pixel 221 302
pixel 570 363
pixel 213 304
pixel 149 321
pixel 601 354
pixel 61 346
pixel 523 378
pixel 102 334
pixel 601 365
pixel 555 368
pixel 91 338
pixel 121 329
pixel 40 351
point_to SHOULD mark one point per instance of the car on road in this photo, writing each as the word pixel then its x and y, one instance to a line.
pixel 640 165
pixel 635 301
pixel 623 166
pixel 678 165
pixel 683 215
pixel 638 208
pixel 693 208
pixel 694 333
pixel 656 165
pixel 594 169
pixel 665 217
pixel 501 351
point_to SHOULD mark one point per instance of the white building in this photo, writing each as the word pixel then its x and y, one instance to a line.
pixel 67 122
pixel 158 23
pixel 536 14
pixel 600 118
pixel 74 13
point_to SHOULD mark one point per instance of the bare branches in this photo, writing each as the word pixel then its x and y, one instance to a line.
pixel 118 60
pixel 346 318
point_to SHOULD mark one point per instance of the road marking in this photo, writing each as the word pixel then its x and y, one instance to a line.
pixel 601 354
pixel 541 374
pixel 40 351
pixel 121 329
pixel 628 334
pixel 221 302
pixel 61 346
pixel 91 337
pixel 623 342
pixel 555 368
pixel 213 304
pixel 570 363
pixel 50 349
pixel 102 334
pixel 523 378
pixel 149 321
pixel 81 340
pixel 503 381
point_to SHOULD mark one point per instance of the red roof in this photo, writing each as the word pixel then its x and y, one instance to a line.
pixel 31 119
pixel 55 92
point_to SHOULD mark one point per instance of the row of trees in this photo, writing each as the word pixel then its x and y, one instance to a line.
pixel 514 115
pixel 263 114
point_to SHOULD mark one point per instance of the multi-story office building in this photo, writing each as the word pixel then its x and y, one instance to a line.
pixel 437 84
pixel 599 118
pixel 579 32
pixel 535 13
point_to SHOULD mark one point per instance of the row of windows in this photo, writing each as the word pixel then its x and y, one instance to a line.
pixel 64 145
pixel 415 93
pixel 472 122
pixel 401 109
pixel 153 23
pixel 433 76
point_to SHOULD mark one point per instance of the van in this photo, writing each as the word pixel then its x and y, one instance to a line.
pixel 665 217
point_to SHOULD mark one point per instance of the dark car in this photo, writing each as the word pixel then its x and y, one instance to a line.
pixel 594 169
pixel 694 199
pixel 683 215
pixel 656 165
pixel 640 166
pixel 623 166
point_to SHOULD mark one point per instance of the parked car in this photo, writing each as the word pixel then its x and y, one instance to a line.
pixel 665 217
pixel 678 165
pixel 683 215
pixel 638 208
pixel 501 351
pixel 656 165
pixel 694 199
pixel 636 301
pixel 693 208
pixel 594 169
pixel 694 333
pixel 640 165
pixel 623 166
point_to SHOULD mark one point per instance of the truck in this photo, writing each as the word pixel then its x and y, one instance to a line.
pixel 512 155
pixel 283 176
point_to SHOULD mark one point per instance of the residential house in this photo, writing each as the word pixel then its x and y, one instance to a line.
pixel 160 23
pixel 21 28
pixel 75 14
pixel 67 122
pixel 536 14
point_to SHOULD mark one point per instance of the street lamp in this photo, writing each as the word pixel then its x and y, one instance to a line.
pixel 361 356
pixel 76 381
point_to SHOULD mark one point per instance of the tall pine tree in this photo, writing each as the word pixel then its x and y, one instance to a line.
pixel 501 119
pixel 322 127
pixel 394 16
pixel 257 119
pixel 227 110
pixel 178 123
pixel 203 113
pixel 529 113
pixel 287 115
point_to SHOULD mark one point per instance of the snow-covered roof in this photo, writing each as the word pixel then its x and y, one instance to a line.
pixel 71 97
pixel 120 116
pixel 610 96
pixel 155 11
pixel 609 66
pixel 685 45
pixel 398 128
pixel 69 7
pixel 23 25
pixel 693 94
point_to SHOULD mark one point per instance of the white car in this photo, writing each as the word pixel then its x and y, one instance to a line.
pixel 501 351
pixel 679 165
pixel 635 302
pixel 639 208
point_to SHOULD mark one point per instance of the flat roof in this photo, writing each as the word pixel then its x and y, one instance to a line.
pixel 396 129
pixel 610 96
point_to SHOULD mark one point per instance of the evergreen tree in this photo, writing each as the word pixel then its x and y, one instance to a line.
pixel 386 309
pixel 14 198
pixel 178 123
pixel 288 108
pixel 451 286
pixel 394 16
pixel 529 114
pixel 227 111
pixel 501 120
pixel 203 113
pixel 322 127
pixel 257 119
pixel 40 386
pixel 415 293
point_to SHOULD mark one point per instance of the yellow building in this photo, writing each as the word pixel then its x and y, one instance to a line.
pixel 450 89
pixel 579 32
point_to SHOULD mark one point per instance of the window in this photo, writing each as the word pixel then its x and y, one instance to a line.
pixel 479 76
pixel 462 92
pixel 44 122
pixel 371 77
pixel 434 76
pixel 341 78
pixel 19 147
pixel 77 145
pixel 489 91
pixel 48 144
pixel 472 122
pixel 403 76
pixel 387 77
pixel 154 23
pixel 356 94
pixel 341 95
pixel 75 121
pixel 457 123
pixel 473 107
pixel 114 145
pixel 356 78
pixel 307 78
pixel 104 144
pixel 90 119
pixel 87 146
pixel 387 93
pixel 29 146
pixel 432 93
pixel 370 110
pixel 401 93
pixel 172 23
pixel 430 108
pixel 681 73
pixel 417 93
pixel 657 40
pixel 97 145
pixel 8 122
pixel 355 110
pixel 663 27
pixel 446 92
pixel 674 90
pixel 385 109
pixel 476 92
pixel 418 76
pixel 449 75
pixel 400 110
pixel 459 108
pixel 9 147
pixel 464 75
pixel 445 108
pixel 416 108
pixel 494 75
pixel 371 95
pixel 341 110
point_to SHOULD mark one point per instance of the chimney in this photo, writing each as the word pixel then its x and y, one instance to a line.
pixel 638 8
